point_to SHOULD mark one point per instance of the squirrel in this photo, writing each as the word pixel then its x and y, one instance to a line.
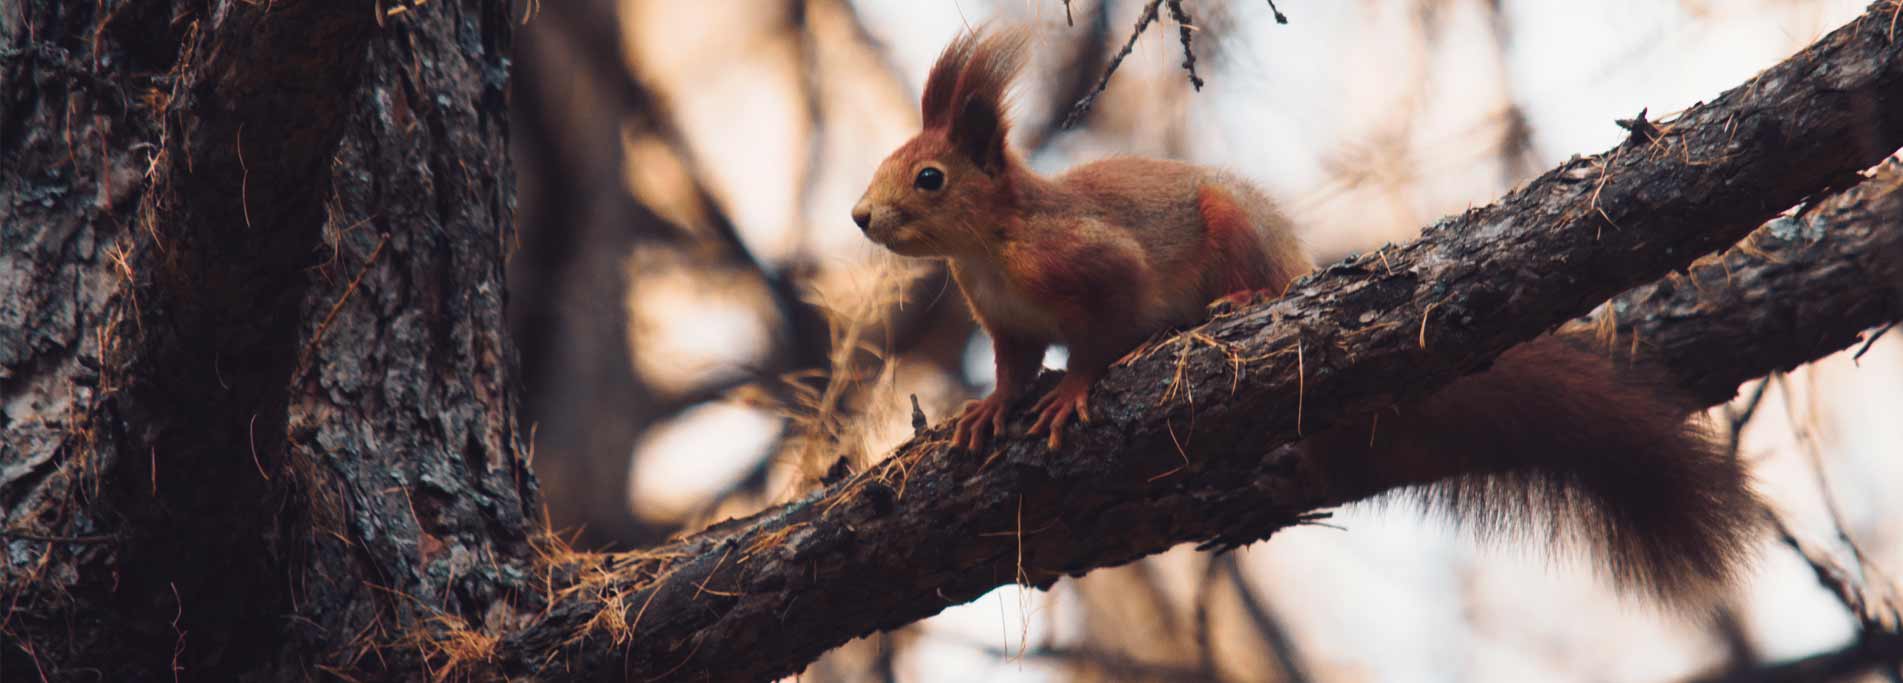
pixel 1553 440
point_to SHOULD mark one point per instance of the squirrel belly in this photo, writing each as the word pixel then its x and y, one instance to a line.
pixel 1555 442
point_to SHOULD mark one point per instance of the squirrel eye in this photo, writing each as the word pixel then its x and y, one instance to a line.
pixel 929 179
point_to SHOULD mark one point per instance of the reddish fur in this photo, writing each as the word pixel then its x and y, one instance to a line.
pixel 965 92
pixel 1104 255
pixel 1235 262
pixel 936 102
pixel 1555 435
pixel 1078 281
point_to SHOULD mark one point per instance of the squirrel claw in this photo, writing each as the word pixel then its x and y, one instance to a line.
pixel 978 421
pixel 1236 302
pixel 1055 408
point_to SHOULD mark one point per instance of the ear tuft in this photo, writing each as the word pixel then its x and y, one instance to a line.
pixel 936 104
pixel 965 93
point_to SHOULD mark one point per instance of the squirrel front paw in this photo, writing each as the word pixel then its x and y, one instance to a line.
pixel 1054 410
pixel 978 421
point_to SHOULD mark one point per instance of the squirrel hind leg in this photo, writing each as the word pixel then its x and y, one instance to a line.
pixel 1241 270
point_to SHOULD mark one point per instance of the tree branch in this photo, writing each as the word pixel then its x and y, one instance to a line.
pixel 1850 662
pixel 1843 254
pixel 1177 451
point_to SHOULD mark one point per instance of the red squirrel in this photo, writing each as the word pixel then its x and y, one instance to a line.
pixel 1552 441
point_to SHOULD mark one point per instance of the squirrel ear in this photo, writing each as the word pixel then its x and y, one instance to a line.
pixel 978 132
pixel 965 94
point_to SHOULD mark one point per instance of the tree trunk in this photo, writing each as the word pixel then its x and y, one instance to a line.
pixel 259 410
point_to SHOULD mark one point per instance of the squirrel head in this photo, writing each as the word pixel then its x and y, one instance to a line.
pixel 945 191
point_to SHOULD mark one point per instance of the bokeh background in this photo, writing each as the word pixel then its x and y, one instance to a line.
pixel 703 331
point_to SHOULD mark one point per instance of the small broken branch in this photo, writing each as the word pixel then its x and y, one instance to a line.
pixel 1077 111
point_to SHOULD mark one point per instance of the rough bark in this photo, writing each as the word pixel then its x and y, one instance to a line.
pixel 259 418
pixel 1184 445
pixel 1798 288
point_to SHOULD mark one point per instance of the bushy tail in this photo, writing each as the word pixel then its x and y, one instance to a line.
pixel 1561 445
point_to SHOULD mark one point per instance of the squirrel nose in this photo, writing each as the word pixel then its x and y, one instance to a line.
pixel 863 216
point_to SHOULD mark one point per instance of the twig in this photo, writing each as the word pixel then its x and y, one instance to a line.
pixel 1730 629
pixel 1183 28
pixel 1301 381
pixel 1086 57
pixel 1267 626
pixel 178 646
pixel 1280 18
pixel 304 359
pixel 885 656
pixel 1162 608
pixel 1848 586
pixel 251 436
pixel 1082 107
pixel 1872 342
pixel 1205 595
pixel 1839 581
pixel 244 180
pixel 1743 416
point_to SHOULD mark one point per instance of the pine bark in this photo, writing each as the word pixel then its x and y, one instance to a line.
pixel 260 420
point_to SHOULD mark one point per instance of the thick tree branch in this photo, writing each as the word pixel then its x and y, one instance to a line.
pixel 274 373
pixel 1798 288
pixel 1185 442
